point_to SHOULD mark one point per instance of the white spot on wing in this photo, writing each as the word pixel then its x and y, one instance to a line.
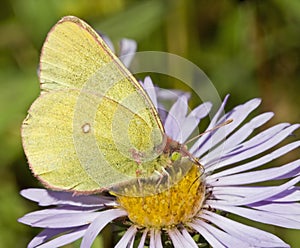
pixel 86 128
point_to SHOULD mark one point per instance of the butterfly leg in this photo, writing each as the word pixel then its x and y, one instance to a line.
pixel 162 175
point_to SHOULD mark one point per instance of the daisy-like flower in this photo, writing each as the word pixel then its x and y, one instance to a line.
pixel 197 207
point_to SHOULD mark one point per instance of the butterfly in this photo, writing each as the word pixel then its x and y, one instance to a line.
pixel 93 127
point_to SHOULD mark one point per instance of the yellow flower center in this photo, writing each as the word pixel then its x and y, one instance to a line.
pixel 176 205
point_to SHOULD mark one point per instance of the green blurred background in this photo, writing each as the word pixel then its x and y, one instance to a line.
pixel 247 48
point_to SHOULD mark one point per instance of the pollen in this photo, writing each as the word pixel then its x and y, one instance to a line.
pixel 174 206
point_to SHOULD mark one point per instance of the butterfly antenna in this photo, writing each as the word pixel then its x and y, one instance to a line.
pixel 210 130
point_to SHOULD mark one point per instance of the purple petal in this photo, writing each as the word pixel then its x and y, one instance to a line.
pixel 127 239
pixel 99 223
pixel 188 238
pixel 195 149
pixel 127 51
pixel 232 194
pixel 257 145
pixel 162 112
pixel 292 173
pixel 143 239
pixel 244 132
pixel 157 239
pixel 47 197
pixel 176 117
pixel 290 195
pixel 263 194
pixel 203 229
pixel 65 239
pixel 227 239
pixel 64 219
pixel 167 97
pixel 177 239
pixel 164 94
pixel 45 235
pixel 240 135
pixel 255 176
pixel 212 159
pixel 149 88
pixel 108 42
pixel 152 239
pixel 258 162
pixel 279 208
pixel 218 114
pixel 192 120
pixel 250 235
pixel 36 216
pixel 260 216
pixel 238 115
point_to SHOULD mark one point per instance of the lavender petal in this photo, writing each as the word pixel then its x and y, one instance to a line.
pixel 260 216
pixel 47 197
pixel 195 149
pixel 240 135
pixel 65 239
pixel 149 88
pixel 188 238
pixel 164 94
pixel 258 162
pixel 290 195
pixel 45 235
pixel 127 51
pixel 257 145
pixel 225 238
pixel 263 194
pixel 98 224
pixel 278 208
pixel 63 220
pixel 255 176
pixel 157 239
pixel 234 193
pixel 143 239
pixel 201 228
pixel 127 239
pixel 192 120
pixel 176 117
pixel 250 235
pixel 238 114
pixel 177 239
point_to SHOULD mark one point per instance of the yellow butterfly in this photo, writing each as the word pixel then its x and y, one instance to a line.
pixel 93 127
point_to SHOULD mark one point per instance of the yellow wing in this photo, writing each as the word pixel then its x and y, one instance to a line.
pixel 93 126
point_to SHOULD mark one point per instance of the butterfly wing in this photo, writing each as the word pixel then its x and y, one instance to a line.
pixel 93 125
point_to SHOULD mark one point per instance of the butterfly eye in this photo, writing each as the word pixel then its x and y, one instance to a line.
pixel 175 156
